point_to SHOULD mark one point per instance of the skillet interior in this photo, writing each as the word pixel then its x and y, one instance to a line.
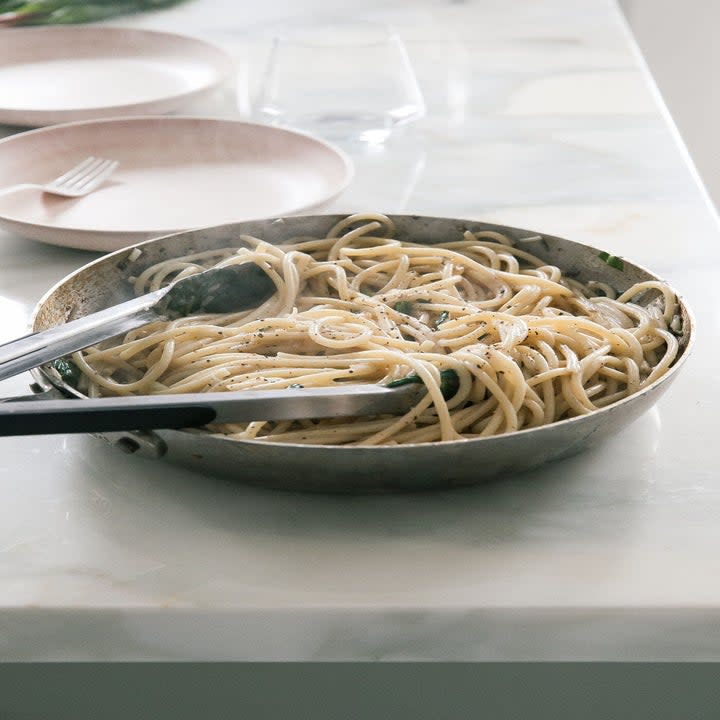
pixel 302 467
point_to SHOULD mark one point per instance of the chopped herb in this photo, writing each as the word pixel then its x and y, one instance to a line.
pixel 68 371
pixel 612 261
pixel 444 315
pixel 404 306
pixel 295 386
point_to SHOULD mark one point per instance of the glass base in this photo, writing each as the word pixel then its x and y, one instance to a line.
pixel 371 128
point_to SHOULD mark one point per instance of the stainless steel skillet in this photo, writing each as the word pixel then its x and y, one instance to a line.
pixel 351 469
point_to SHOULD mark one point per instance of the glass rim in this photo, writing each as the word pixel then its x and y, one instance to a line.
pixel 310 33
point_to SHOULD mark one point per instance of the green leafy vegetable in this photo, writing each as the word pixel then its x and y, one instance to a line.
pixel 449 382
pixel 404 306
pixel 63 12
pixel 408 380
pixel 612 261
pixel 68 371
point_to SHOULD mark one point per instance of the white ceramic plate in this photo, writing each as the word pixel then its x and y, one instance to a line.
pixel 57 75
pixel 175 173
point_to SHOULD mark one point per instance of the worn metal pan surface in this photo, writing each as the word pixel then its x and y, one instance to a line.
pixel 353 469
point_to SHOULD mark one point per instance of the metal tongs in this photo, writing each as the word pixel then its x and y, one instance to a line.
pixel 228 289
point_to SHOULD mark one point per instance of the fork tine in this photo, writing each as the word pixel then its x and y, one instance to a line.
pixel 97 176
pixel 78 184
pixel 83 178
pixel 80 167
pixel 90 173
pixel 78 179
pixel 77 175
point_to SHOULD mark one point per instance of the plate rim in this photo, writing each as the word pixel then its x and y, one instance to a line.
pixel 222 65
pixel 348 173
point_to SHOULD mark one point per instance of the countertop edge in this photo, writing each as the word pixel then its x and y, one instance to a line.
pixel 349 634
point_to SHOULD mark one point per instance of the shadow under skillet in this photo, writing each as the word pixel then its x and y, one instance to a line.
pixel 590 495
pixel 144 533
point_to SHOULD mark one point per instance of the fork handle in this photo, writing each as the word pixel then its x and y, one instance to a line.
pixel 23 186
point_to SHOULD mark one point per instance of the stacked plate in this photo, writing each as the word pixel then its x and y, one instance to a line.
pixel 105 87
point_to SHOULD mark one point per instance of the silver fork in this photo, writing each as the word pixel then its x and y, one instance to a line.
pixel 85 177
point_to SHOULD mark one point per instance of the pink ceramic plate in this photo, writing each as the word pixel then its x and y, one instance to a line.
pixel 56 75
pixel 175 173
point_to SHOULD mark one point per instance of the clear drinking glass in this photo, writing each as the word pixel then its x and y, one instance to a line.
pixel 341 79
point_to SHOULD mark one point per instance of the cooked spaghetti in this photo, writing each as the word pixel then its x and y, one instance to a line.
pixel 501 340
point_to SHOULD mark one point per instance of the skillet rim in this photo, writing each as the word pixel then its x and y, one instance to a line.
pixel 688 337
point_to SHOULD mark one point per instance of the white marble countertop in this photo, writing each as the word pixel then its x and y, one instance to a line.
pixel 540 115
